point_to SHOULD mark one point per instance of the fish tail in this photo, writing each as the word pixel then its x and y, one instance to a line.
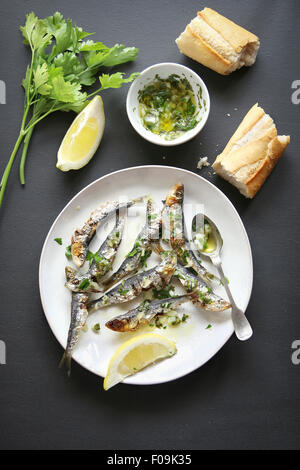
pixel 66 360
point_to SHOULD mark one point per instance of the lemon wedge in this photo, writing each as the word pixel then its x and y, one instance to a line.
pixel 135 354
pixel 83 137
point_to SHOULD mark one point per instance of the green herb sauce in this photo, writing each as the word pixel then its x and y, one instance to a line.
pixel 167 107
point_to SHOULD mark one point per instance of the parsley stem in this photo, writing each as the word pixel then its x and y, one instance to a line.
pixel 24 155
pixel 8 167
pixel 94 93
pixel 32 124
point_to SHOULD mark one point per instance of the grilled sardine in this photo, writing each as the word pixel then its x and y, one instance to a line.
pixel 146 312
pixel 174 213
pixel 141 249
pixel 83 236
pixel 206 299
pixel 131 288
pixel 101 263
pixel 79 314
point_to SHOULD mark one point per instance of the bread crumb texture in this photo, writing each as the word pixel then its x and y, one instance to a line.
pixel 251 153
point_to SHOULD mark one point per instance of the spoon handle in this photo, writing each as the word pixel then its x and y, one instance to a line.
pixel 241 325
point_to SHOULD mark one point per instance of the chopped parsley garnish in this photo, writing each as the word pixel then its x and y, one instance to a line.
pixel 68 253
pixel 163 293
pixel 96 328
pixel 203 298
pixel 184 318
pixel 227 280
pixel 58 240
pixel 89 256
pixel 84 284
pixel 144 258
pixel 185 255
pixel 123 291
pixel 208 327
pixel 93 256
pixel 144 306
pixel 134 250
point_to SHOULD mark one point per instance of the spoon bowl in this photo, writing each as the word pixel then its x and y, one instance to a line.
pixel 203 228
pixel 198 224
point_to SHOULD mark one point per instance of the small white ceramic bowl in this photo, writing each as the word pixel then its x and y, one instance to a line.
pixel 164 70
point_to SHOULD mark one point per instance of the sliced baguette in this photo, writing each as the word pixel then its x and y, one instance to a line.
pixel 218 43
pixel 251 153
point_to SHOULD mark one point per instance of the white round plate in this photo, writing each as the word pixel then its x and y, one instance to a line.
pixel 196 343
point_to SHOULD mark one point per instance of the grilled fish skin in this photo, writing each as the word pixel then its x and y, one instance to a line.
pixel 131 288
pixel 144 313
pixel 79 314
pixel 206 299
pixel 142 246
pixel 174 212
pixel 105 258
pixel 82 236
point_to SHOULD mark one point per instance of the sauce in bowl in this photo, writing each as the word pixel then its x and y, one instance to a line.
pixel 167 106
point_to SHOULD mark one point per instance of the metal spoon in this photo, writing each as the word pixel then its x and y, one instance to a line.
pixel 241 325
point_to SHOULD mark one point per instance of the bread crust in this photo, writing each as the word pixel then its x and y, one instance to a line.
pixel 236 35
pixel 276 149
pixel 217 42
pixel 251 153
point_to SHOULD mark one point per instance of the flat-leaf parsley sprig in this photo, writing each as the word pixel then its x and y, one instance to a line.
pixel 61 64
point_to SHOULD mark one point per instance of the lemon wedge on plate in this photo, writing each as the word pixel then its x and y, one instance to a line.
pixel 135 354
pixel 83 137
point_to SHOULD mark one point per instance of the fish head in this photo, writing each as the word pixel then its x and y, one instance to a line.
pixel 175 195
pixel 118 324
pixel 77 254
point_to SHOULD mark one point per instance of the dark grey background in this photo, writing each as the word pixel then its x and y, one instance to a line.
pixel 248 395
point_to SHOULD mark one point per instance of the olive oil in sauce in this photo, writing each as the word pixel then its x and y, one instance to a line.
pixel 204 239
pixel 167 107
pixel 210 244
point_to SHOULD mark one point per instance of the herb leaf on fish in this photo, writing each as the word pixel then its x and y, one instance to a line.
pixel 163 293
pixel 68 253
pixel 84 284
